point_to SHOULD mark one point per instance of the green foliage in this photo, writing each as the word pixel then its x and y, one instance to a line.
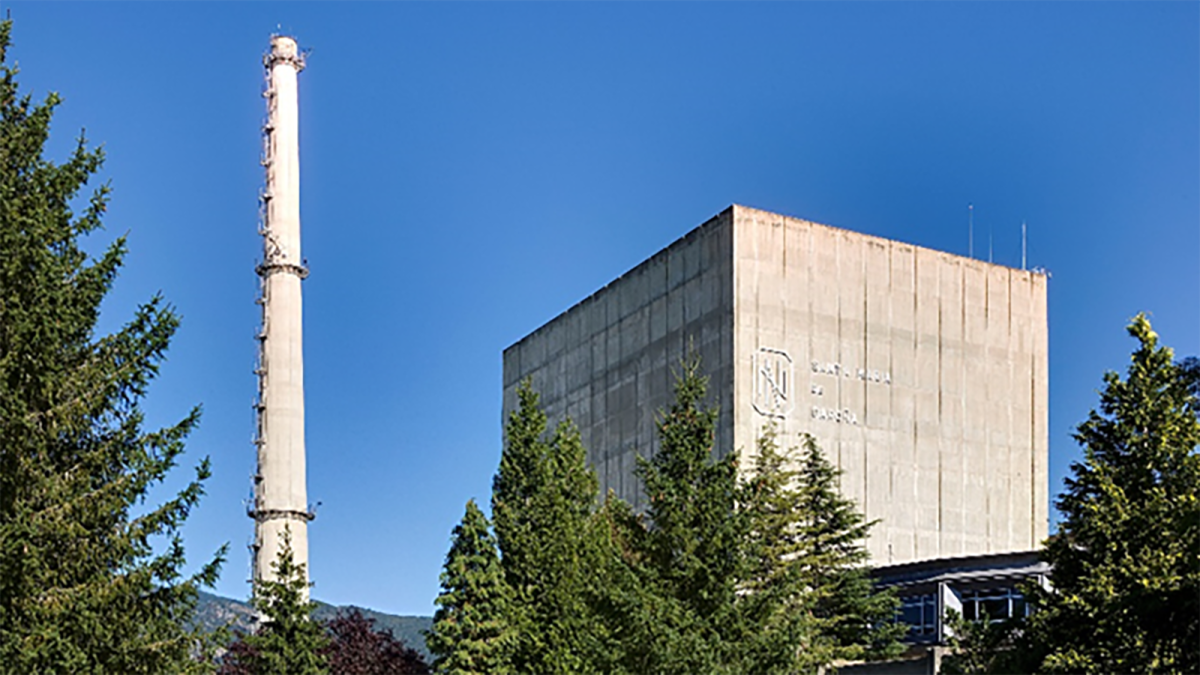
pixel 543 500
pixel 783 635
pixel 980 647
pixel 1189 370
pixel 718 576
pixel 807 588
pixel 856 620
pixel 85 585
pixel 685 557
pixel 288 641
pixel 1126 560
pixel 470 632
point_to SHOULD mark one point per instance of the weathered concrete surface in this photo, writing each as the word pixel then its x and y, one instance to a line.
pixel 607 362
pixel 921 660
pixel 922 374
pixel 280 495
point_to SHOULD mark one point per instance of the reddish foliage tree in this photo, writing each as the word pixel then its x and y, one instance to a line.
pixel 358 649
pixel 237 659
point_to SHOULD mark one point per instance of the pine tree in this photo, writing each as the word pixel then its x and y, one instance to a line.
pixel 807 591
pixel 766 576
pixel 981 646
pixel 86 586
pixel 470 633
pixel 543 499
pixel 782 633
pixel 1126 559
pixel 680 615
pixel 857 621
pixel 1189 370
pixel 288 641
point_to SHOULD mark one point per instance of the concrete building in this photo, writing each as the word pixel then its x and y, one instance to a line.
pixel 922 374
pixel 977 587
pixel 280 491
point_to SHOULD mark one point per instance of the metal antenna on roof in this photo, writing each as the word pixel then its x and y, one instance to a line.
pixel 970 230
pixel 989 242
pixel 1022 245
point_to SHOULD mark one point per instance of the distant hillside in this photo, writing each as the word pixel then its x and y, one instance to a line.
pixel 213 611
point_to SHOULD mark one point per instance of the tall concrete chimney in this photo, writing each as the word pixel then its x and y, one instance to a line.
pixel 280 494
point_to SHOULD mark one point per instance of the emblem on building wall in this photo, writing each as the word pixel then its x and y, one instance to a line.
pixel 773 382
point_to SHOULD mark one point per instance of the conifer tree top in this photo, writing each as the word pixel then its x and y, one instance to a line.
pixel 90 577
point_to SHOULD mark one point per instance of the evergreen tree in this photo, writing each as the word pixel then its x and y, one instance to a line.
pixel 764 576
pixel 85 585
pixel 470 633
pixel 981 646
pixel 857 622
pixel 1189 370
pixel 680 613
pixel 288 641
pixel 1126 559
pixel 782 633
pixel 543 499
pixel 807 590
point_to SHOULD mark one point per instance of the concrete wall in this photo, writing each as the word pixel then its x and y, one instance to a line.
pixel 922 374
pixel 916 661
pixel 607 363
pixel 280 482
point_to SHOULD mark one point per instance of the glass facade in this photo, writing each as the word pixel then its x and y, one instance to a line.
pixel 920 613
pixel 975 587
pixel 997 604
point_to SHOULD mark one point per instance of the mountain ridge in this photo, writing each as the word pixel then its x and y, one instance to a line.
pixel 214 611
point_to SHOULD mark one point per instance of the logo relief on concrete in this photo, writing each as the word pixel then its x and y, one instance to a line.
pixel 772 382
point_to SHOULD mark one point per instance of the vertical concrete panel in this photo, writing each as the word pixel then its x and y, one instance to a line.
pixel 927 405
pixel 693 301
pixel 675 266
pixel 724 380
pixel 656 277
pixel 770 280
pixel 823 337
pixel 1020 400
pixel 950 407
pixel 511 365
pixel 675 311
pixel 902 294
pixel 997 388
pixel 946 450
pixel 657 317
pixel 1041 407
pixel 876 409
pixel 797 327
pixel 743 250
pixel 851 351
pixel 690 254
pixel 977 500
pixel 598 343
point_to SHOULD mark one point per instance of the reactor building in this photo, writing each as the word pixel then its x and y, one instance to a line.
pixel 922 374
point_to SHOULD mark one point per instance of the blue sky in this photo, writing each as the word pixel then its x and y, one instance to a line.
pixel 471 170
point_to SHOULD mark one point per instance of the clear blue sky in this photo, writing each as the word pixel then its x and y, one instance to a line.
pixel 471 170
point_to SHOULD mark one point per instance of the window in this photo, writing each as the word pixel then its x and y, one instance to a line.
pixel 920 613
pixel 997 603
